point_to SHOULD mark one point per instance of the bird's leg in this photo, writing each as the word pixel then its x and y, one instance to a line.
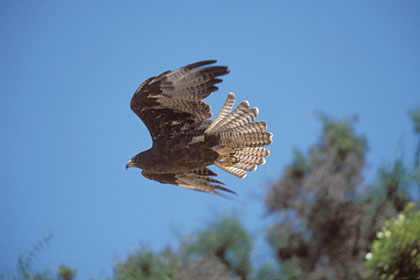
pixel 224 151
pixel 227 161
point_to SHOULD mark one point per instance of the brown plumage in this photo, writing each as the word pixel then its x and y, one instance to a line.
pixel 185 141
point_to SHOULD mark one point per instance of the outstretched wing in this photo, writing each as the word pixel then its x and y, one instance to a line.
pixel 198 180
pixel 172 101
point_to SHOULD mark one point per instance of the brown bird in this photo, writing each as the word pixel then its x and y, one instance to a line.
pixel 185 141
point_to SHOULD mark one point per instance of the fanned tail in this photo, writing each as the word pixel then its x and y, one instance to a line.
pixel 240 138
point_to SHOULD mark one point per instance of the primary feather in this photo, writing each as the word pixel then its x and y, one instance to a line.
pixel 185 141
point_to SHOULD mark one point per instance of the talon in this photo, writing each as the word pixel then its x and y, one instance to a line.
pixel 228 161
pixel 235 160
pixel 234 150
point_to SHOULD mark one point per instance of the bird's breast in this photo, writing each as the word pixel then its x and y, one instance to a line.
pixel 173 159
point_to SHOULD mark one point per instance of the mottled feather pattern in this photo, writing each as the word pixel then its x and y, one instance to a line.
pixel 197 84
pixel 166 98
pixel 199 109
pixel 185 141
pixel 238 131
pixel 198 92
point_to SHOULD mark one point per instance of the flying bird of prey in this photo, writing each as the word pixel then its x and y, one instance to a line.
pixel 185 141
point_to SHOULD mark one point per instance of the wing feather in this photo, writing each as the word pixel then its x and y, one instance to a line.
pixel 197 180
pixel 174 98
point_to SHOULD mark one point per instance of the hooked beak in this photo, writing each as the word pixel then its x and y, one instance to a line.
pixel 129 164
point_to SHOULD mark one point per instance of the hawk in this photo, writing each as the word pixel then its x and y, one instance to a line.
pixel 185 140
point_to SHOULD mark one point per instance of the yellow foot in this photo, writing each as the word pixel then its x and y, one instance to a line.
pixel 227 161
pixel 224 151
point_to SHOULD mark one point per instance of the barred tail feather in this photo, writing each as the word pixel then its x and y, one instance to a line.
pixel 240 138
pixel 227 107
pixel 240 173
pixel 242 117
pixel 239 111
pixel 244 157
pixel 256 151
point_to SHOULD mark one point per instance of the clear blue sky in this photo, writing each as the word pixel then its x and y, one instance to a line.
pixel 69 68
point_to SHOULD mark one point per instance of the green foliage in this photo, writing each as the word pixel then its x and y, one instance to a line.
pixel 24 272
pixel 226 240
pixel 396 252
pixel 66 273
pixel 205 268
pixel 325 221
pixel 340 135
pixel 145 264
pixel 394 181
pixel 24 269
pixel 415 117
pixel 268 271
pixel 325 218
pixel 293 269
pixel 220 250
pixel 299 163
pixel 415 177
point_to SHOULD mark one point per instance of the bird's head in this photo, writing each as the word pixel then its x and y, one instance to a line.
pixel 135 161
